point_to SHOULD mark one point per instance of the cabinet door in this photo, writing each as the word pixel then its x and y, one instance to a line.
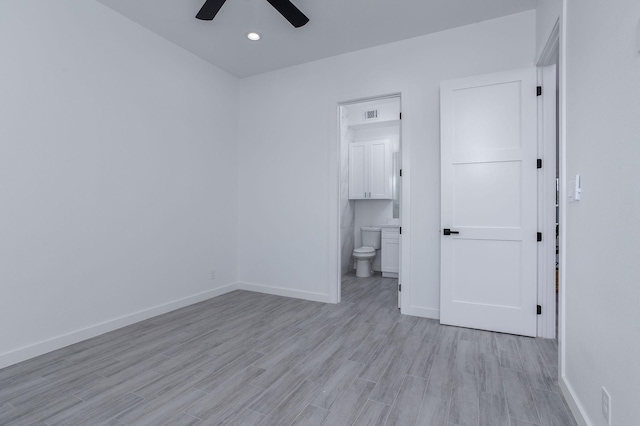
pixel 357 171
pixel 391 255
pixel 380 170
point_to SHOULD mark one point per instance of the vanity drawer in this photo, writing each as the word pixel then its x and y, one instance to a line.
pixel 390 233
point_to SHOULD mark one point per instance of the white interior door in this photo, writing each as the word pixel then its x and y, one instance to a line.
pixel 489 202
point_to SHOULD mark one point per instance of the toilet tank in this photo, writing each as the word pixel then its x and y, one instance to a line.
pixel 371 236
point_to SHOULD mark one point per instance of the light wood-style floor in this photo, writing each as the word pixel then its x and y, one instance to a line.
pixel 247 359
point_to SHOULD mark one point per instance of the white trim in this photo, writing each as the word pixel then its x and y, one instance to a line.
pixel 404 274
pixel 573 402
pixel 576 407
pixel 335 257
pixel 335 239
pixel 547 202
pixel 286 292
pixel 58 342
pixel 558 37
pixel 562 125
pixel 54 343
pixel 421 312
pixel 551 49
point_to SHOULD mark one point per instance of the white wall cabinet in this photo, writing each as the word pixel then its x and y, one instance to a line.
pixel 390 252
pixel 370 170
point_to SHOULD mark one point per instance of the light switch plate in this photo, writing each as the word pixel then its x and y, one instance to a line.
pixel 574 190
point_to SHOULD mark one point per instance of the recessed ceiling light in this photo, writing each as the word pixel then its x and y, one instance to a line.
pixel 253 36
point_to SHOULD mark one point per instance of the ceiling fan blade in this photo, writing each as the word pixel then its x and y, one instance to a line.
pixel 209 9
pixel 290 12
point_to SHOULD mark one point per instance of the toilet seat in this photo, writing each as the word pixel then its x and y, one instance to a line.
pixel 364 250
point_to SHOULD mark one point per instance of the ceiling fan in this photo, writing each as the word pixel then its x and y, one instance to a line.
pixel 285 7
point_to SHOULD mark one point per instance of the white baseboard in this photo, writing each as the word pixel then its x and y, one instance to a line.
pixel 417 311
pixel 279 291
pixel 574 403
pixel 42 347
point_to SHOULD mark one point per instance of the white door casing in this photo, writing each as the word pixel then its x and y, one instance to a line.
pixel 489 196
pixel 547 201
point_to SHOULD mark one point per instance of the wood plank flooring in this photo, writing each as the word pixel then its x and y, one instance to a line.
pixel 253 359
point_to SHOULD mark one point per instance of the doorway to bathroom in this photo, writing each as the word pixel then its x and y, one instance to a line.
pixel 370 170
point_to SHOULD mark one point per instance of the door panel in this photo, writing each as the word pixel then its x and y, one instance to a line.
pixel 357 171
pixel 497 262
pixel 484 118
pixel 380 173
pixel 489 196
pixel 391 255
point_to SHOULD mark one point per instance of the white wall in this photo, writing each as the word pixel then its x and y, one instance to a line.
pixel 371 213
pixel 602 337
pixel 288 132
pixel 117 175
pixel 547 14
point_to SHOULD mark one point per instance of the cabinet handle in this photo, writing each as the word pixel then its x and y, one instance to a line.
pixel 369 194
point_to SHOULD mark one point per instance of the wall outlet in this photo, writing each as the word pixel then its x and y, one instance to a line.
pixel 606 405
pixel 214 274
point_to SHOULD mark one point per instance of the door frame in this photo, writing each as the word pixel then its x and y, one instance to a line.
pixel 335 257
pixel 552 53
pixel 557 43
pixel 547 127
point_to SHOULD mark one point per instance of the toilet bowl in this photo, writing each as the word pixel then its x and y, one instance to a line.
pixel 365 254
pixel 363 257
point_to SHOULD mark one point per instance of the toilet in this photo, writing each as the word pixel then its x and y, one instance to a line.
pixel 365 254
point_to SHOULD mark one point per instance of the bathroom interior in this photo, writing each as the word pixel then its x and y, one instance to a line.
pixel 370 188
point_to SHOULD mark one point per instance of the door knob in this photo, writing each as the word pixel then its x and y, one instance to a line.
pixel 447 231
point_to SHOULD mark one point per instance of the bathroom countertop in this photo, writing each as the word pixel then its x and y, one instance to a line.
pixel 386 225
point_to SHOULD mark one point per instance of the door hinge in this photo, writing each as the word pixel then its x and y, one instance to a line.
pixel 539 236
pixel 539 91
pixel 401 230
pixel 400 116
pixel 399 287
pixel 539 310
pixel 400 172
pixel 539 163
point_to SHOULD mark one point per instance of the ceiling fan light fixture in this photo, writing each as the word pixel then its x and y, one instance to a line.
pixel 210 9
pixel 253 36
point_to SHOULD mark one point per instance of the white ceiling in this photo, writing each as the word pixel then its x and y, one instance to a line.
pixel 335 27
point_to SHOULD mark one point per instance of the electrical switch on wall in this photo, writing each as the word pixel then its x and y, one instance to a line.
pixel 574 190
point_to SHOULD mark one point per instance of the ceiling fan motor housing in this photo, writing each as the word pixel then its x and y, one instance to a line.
pixel 287 9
